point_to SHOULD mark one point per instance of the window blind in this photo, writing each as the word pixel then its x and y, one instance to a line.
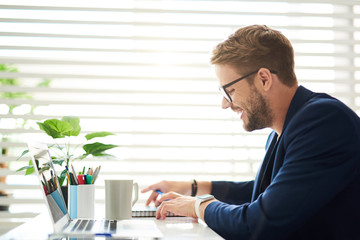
pixel 140 69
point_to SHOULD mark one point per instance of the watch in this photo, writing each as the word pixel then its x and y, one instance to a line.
pixel 199 200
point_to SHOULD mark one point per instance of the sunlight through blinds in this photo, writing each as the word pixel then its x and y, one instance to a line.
pixel 140 69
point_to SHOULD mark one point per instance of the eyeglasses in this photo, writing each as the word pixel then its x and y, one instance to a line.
pixel 222 88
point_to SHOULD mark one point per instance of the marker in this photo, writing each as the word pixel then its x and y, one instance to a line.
pixel 45 190
pixel 88 179
pixel 80 179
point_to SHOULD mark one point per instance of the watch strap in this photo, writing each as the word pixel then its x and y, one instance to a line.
pixel 199 200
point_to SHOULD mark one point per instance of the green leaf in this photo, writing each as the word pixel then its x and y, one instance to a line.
pixel 62 177
pixel 82 156
pixel 57 146
pixel 97 149
pixel 59 126
pixel 104 155
pixel 53 145
pixel 44 83
pixel 97 134
pixel 55 128
pixel 28 169
pixel 49 131
pixel 24 153
pixel 43 169
pixel 31 169
pixel 75 124
pixel 59 161
pixel 24 168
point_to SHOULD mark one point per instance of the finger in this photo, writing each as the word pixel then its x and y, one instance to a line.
pixel 169 196
pixel 149 188
pixel 157 203
pixel 163 210
pixel 152 198
pixel 158 212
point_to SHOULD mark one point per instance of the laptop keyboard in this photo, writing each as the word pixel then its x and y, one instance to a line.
pixel 76 225
pixel 106 225
pixel 90 225
pixel 129 230
pixel 87 225
pixel 82 225
pixel 113 225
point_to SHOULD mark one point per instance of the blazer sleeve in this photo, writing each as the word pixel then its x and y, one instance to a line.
pixel 320 158
pixel 236 192
pixel 232 192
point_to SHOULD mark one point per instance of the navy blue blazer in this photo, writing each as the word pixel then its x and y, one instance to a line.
pixel 308 186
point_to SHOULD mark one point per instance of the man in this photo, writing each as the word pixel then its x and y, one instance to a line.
pixel 308 186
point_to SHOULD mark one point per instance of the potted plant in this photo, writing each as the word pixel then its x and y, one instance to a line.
pixel 67 128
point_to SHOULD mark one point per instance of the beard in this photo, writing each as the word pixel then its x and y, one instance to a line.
pixel 258 112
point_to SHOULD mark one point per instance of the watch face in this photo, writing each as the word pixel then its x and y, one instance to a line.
pixel 205 197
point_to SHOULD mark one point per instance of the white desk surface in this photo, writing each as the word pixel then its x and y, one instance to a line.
pixel 172 228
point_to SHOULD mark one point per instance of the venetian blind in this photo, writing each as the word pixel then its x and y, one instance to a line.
pixel 140 69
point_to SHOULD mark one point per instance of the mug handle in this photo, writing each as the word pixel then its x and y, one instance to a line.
pixel 136 190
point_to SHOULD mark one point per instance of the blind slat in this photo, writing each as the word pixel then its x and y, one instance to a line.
pixel 187 11
pixel 93 76
pixel 212 25
pixel 151 38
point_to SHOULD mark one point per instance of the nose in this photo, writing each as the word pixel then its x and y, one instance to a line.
pixel 225 104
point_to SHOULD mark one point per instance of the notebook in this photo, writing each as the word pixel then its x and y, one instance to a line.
pixel 63 225
pixel 149 211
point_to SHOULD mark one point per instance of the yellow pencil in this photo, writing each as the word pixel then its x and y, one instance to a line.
pixel 68 177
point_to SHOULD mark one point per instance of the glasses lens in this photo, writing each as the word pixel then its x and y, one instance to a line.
pixel 225 94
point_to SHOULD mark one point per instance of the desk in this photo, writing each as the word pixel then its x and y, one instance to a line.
pixel 173 228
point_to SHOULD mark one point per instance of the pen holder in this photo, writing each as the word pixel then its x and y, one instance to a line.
pixel 82 201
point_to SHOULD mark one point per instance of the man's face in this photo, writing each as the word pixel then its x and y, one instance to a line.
pixel 247 100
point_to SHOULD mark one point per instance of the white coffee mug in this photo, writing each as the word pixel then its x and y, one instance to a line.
pixel 118 198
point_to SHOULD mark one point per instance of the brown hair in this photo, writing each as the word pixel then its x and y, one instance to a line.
pixel 257 46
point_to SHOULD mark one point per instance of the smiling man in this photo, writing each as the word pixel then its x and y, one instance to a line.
pixel 252 106
pixel 308 186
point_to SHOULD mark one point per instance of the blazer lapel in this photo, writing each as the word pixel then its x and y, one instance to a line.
pixel 263 177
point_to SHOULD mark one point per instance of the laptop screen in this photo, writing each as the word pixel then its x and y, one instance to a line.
pixel 50 186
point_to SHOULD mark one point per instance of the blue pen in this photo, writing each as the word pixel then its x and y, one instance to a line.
pixel 103 234
pixel 161 193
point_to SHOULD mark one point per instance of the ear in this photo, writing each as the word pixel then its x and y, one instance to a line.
pixel 265 78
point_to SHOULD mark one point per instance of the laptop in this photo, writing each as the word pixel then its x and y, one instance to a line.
pixel 64 225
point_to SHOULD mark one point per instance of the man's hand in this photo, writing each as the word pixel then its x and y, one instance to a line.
pixel 177 204
pixel 166 186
